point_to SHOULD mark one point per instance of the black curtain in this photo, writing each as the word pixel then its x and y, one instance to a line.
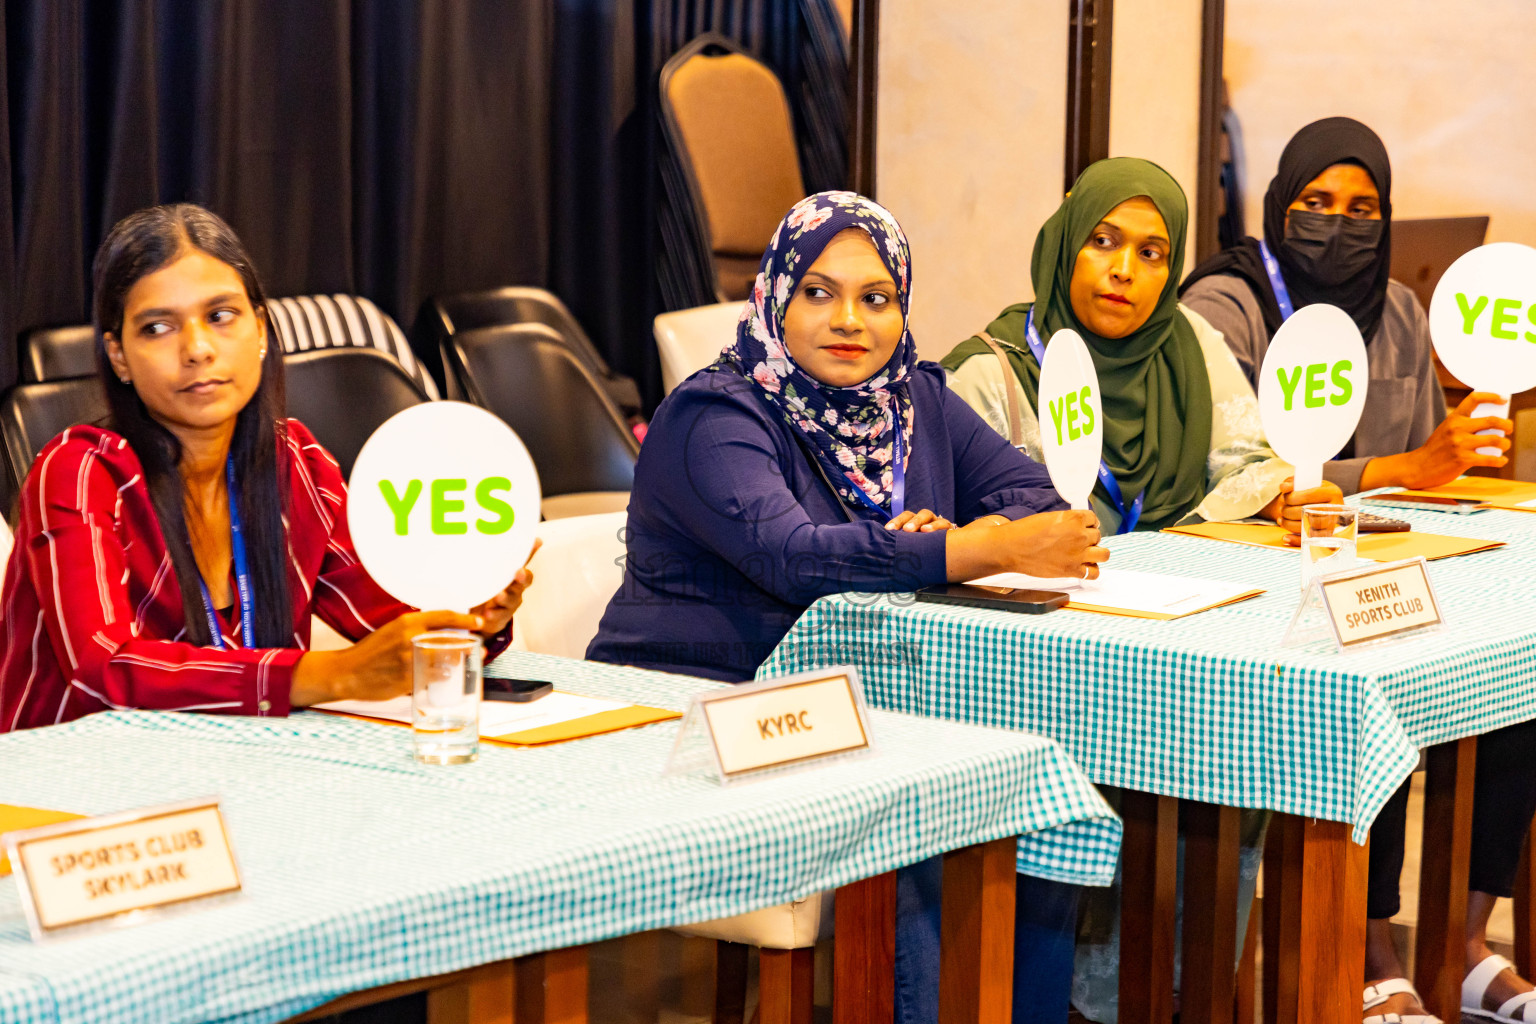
pixel 390 148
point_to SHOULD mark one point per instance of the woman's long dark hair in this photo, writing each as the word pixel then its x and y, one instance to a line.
pixel 141 244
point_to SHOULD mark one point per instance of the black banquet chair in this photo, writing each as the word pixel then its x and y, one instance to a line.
pixel 32 414
pixel 580 443
pixel 443 316
pixel 307 322
pixel 344 394
pixel 57 353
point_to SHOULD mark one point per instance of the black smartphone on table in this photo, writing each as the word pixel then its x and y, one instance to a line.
pixel 1013 599
pixel 518 691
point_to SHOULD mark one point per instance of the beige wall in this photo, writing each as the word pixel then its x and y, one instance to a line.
pixel 1154 90
pixel 972 118
pixel 1450 87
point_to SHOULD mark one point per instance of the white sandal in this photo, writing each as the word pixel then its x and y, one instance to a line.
pixel 1380 992
pixel 1475 987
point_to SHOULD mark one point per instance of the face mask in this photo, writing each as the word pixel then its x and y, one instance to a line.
pixel 1331 248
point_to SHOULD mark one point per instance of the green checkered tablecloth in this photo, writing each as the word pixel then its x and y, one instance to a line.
pixel 23 999
pixel 1211 707
pixel 364 868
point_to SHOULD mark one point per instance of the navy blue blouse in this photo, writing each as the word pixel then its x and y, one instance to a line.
pixel 733 532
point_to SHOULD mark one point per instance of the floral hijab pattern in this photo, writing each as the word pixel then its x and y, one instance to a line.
pixel 852 429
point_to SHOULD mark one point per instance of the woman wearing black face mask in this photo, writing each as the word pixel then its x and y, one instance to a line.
pixel 1327 238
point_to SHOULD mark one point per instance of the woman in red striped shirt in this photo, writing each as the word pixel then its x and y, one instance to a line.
pixel 174 560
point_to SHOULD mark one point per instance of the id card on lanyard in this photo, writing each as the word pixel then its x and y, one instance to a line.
pixel 898 472
pixel 1128 517
pixel 242 573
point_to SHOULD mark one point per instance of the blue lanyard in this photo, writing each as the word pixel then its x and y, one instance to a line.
pixel 1128 519
pixel 1276 282
pixel 898 471
pixel 242 574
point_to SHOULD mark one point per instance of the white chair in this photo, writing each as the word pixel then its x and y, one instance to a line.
pixel 576 571
pixel 583 503
pixel 690 339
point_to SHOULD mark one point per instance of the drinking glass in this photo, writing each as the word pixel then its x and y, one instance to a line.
pixel 1328 534
pixel 445 697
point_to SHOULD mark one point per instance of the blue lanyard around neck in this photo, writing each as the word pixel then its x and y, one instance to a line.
pixel 898 471
pixel 242 574
pixel 1128 519
pixel 1276 282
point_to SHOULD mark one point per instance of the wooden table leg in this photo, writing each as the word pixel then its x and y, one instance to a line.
pixel 1328 950
pixel 784 985
pixel 864 952
pixel 730 982
pixel 1149 878
pixel 485 998
pixel 1245 999
pixel 1440 960
pixel 1525 919
pixel 1211 848
pixel 1282 915
pixel 976 941
pixel 552 987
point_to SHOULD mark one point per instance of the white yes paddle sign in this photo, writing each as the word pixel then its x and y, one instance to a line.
pixel 1482 320
pixel 1071 417
pixel 443 505
pixel 1312 388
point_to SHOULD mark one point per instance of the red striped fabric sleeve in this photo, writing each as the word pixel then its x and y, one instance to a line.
pixel 79 567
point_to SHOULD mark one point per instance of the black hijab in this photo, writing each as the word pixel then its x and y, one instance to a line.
pixel 1318 146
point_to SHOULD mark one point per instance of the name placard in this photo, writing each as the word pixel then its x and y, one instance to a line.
pixel 93 869
pixel 792 720
pixel 1380 602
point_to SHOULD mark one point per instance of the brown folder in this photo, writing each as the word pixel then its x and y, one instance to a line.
pixel 1377 547
pixel 13 819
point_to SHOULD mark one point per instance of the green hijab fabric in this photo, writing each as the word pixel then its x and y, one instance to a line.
pixel 1156 393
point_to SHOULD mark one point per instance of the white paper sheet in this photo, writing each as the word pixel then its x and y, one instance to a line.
pixel 1126 590
pixel 497 718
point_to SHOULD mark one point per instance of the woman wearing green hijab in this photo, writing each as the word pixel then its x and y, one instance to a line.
pixel 1182 438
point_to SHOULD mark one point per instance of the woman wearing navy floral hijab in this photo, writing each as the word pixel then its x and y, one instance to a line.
pixel 817 455
pixel 852 428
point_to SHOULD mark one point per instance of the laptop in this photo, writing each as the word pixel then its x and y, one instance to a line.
pixel 1422 250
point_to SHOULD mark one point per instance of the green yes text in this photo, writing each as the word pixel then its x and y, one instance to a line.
pixel 443 505
pixel 1316 376
pixel 1066 407
pixel 1502 318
